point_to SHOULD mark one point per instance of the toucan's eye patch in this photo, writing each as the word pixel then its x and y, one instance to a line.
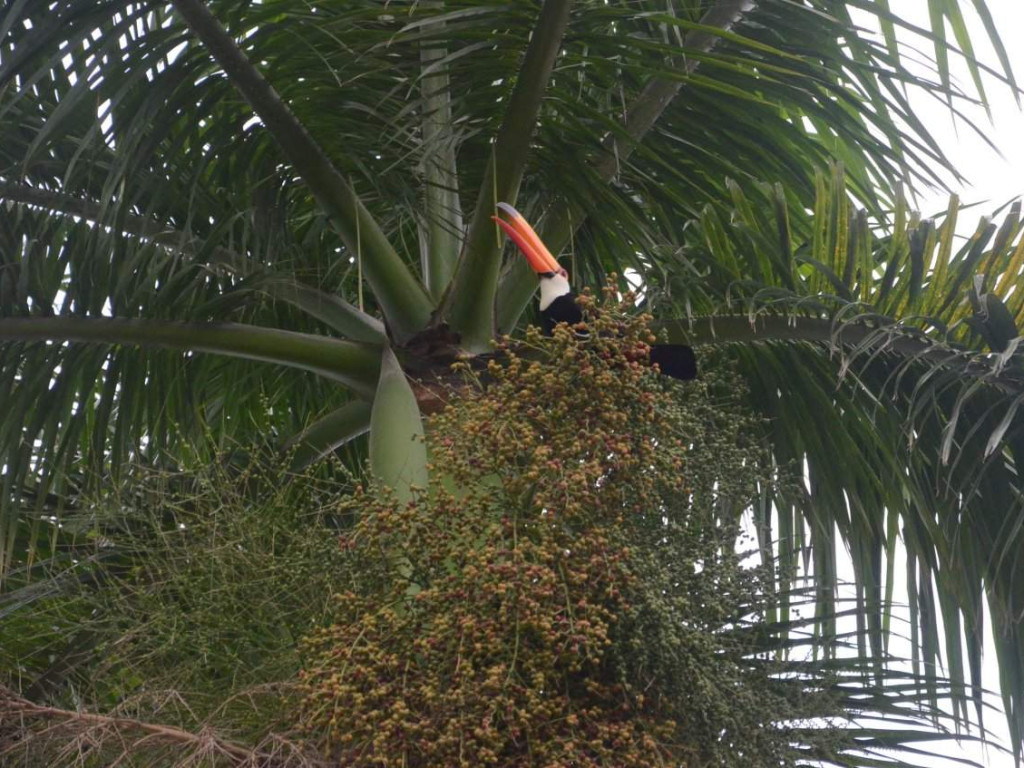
pixel 522 234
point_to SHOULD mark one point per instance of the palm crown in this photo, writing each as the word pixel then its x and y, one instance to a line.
pixel 192 191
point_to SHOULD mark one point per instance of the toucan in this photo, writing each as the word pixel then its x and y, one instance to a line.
pixel 558 304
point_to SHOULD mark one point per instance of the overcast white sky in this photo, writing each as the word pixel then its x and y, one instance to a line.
pixel 990 177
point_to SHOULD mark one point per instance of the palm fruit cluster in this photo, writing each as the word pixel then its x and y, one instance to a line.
pixel 566 593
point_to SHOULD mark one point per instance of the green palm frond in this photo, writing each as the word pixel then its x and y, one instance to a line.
pixel 145 176
pixel 885 356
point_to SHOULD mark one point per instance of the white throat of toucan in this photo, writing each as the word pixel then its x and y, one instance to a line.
pixel 552 285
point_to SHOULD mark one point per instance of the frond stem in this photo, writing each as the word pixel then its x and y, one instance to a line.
pixel 401 295
pixel 563 219
pixel 470 300
pixel 883 335
pixel 354 365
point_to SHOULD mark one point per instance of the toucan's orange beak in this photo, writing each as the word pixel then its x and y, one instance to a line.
pixel 529 243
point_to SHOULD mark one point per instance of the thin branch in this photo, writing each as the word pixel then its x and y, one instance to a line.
pixel 18 715
pixel 470 301
pixel 401 296
pixel 563 219
pixel 11 705
pixel 354 365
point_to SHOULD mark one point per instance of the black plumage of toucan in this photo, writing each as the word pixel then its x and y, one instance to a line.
pixel 558 303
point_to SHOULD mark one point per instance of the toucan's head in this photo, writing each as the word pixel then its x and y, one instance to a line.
pixel 554 281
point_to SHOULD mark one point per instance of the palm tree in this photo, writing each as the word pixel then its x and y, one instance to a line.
pixel 249 218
